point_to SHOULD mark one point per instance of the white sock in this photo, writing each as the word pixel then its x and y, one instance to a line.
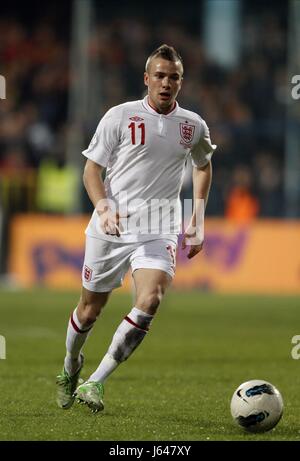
pixel 76 337
pixel 127 337
pixel 107 366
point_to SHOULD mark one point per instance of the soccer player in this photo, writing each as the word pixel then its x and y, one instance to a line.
pixel 144 146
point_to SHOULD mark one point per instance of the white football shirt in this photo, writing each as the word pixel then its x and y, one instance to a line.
pixel 144 154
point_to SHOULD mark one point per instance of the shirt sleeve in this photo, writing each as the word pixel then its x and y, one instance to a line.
pixel 202 152
pixel 104 141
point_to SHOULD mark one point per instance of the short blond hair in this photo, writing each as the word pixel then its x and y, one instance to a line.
pixel 165 52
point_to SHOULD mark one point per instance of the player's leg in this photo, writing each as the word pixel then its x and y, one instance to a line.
pixel 100 275
pixel 153 266
pixel 79 327
pixel 102 271
pixel 150 286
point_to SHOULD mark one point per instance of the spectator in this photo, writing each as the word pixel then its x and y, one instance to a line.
pixel 243 105
pixel 241 204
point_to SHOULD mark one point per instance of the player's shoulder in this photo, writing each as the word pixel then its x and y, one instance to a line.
pixel 124 108
pixel 190 116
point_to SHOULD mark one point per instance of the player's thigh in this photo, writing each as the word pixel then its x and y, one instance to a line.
pixel 151 281
pixel 92 298
pixel 153 268
pixel 90 305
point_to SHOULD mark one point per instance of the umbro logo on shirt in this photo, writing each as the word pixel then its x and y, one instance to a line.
pixel 136 118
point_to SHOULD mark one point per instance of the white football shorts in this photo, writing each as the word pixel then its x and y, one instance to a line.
pixel 106 263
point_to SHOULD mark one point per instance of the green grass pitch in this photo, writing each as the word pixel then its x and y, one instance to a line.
pixel 176 386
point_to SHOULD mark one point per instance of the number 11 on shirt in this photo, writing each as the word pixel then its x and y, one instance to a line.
pixel 142 128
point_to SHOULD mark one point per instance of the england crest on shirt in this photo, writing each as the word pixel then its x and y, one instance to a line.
pixel 187 132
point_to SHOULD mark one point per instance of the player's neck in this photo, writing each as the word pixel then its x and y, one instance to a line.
pixel 160 111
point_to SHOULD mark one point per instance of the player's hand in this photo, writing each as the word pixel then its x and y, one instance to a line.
pixel 110 222
pixel 193 242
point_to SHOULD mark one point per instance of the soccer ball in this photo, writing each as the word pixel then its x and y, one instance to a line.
pixel 256 405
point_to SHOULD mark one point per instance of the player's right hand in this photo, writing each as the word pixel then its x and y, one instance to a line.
pixel 110 222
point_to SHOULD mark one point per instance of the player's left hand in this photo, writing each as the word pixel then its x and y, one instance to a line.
pixel 193 242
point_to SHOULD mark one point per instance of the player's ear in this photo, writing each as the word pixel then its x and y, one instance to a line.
pixel 146 78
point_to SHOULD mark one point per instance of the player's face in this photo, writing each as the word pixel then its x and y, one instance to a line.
pixel 164 80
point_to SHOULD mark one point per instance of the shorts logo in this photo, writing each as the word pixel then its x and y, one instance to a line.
pixel 187 132
pixel 87 273
pixel 136 118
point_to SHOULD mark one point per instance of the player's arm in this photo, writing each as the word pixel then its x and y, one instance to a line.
pixel 192 237
pixel 93 183
pixel 202 177
pixel 92 180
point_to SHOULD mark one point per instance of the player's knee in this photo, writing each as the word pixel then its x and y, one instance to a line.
pixel 149 302
pixel 88 314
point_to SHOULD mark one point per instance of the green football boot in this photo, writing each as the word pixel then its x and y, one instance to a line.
pixel 66 385
pixel 91 394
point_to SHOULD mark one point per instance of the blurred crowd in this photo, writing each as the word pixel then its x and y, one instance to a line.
pixel 243 106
